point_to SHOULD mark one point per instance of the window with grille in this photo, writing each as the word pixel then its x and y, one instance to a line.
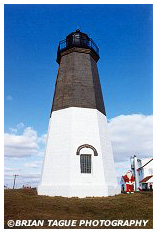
pixel 85 163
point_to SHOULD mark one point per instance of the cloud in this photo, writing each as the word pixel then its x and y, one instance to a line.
pixel 42 139
pixel 9 171
pixel 17 128
pixel 30 176
pixel 35 164
pixel 13 130
pixel 9 98
pixel 24 175
pixel 26 144
pixel 122 168
pixel 20 125
pixel 131 134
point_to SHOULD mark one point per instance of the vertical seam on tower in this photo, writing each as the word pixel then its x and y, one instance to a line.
pixel 72 75
pixel 97 112
pixel 64 80
pixel 91 68
pixel 53 101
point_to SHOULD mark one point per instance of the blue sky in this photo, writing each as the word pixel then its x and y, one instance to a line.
pixel 124 34
pixel 32 32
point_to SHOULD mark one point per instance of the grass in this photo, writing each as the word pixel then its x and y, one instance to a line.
pixel 26 204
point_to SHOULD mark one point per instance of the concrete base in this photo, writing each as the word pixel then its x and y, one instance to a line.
pixel 74 190
pixel 61 176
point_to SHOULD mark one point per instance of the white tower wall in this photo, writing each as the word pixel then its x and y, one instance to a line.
pixel 61 176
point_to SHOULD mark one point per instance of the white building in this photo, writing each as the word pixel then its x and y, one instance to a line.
pixel 143 172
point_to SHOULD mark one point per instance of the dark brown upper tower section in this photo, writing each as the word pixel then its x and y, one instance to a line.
pixel 78 83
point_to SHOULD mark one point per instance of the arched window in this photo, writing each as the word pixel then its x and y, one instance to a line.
pixel 86 146
pixel 86 159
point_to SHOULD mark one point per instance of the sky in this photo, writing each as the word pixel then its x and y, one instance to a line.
pixel 124 35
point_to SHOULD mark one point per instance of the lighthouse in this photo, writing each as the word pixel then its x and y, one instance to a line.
pixel 78 159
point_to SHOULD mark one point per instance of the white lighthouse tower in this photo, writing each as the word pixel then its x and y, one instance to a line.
pixel 78 158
